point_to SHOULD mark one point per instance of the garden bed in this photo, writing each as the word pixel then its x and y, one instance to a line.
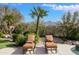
pixel 6 43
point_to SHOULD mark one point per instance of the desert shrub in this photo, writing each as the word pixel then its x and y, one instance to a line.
pixel 42 33
pixel 18 31
pixel 20 28
pixel 77 36
pixel 14 37
pixel 69 25
pixel 25 33
pixel 36 38
pixel 1 34
pixel 20 40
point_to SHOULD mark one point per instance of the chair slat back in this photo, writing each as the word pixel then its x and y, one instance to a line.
pixel 31 38
pixel 49 38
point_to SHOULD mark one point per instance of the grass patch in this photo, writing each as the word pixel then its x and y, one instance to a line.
pixel 6 43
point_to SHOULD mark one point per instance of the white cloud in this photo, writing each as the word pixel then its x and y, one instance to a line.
pixel 13 4
pixel 71 7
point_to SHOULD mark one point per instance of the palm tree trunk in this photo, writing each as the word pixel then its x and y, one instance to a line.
pixel 37 26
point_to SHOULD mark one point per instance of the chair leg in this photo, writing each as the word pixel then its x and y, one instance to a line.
pixel 56 50
pixel 33 50
pixel 30 51
pixel 51 49
pixel 23 51
pixel 46 50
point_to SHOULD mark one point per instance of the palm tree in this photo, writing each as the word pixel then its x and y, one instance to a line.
pixel 38 13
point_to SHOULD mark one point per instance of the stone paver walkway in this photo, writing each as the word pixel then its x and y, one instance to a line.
pixel 11 51
pixel 40 49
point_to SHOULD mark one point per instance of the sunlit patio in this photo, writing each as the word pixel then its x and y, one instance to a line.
pixel 63 49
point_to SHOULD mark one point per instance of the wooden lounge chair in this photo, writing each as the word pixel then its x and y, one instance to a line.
pixel 29 45
pixel 49 38
pixel 49 44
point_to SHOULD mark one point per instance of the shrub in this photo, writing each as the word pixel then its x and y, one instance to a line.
pixel 77 36
pixel 26 33
pixel 14 36
pixel 20 40
pixel 1 34
pixel 19 29
pixel 36 38
pixel 64 39
pixel 42 33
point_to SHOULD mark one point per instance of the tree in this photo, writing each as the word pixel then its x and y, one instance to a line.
pixel 38 13
pixel 9 17
pixel 69 25
pixel 32 27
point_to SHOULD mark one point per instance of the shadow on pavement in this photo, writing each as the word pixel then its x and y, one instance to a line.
pixel 18 51
pixel 40 50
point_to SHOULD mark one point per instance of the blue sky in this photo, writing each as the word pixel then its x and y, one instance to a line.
pixel 56 10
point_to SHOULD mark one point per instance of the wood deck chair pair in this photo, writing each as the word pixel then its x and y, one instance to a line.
pixel 49 44
pixel 29 45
